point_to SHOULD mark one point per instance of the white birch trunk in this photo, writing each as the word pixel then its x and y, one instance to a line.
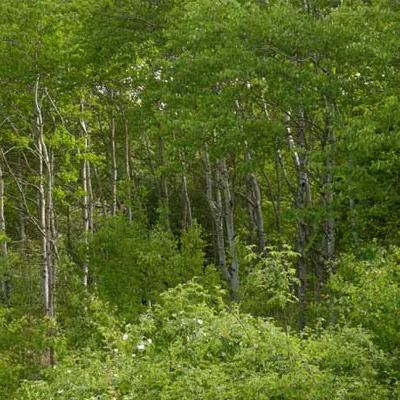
pixel 86 225
pixel 187 221
pixel 230 229
pixel 47 223
pixel 128 171
pixel 87 207
pixel 114 167
pixel 329 234
pixel 42 206
pixel 250 211
pixel 302 197
pixel 5 283
pixel 51 239
pixel 100 191
pixel 216 213
pixel 164 191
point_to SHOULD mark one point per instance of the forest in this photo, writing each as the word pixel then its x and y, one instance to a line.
pixel 199 199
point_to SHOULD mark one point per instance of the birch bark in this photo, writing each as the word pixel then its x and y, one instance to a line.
pixel 230 230
pixel 187 220
pixel 164 190
pixel 87 199
pixel 216 213
pixel 128 170
pixel 302 197
pixel 328 225
pixel 42 207
pixel 5 282
pixel 114 166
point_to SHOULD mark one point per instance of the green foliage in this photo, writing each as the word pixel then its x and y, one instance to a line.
pixel 132 266
pixel 24 343
pixel 368 294
pixel 191 346
pixel 269 281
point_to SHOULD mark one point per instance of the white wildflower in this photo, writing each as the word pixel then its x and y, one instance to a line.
pixel 141 346
pixel 200 321
pixel 157 75
pixel 125 336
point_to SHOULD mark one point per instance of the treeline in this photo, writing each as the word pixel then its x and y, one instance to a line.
pixel 253 145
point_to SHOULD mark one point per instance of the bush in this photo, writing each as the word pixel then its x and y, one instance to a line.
pixel 132 265
pixel 192 346
pixel 367 294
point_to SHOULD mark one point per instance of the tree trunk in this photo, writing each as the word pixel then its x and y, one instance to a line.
pixel 234 273
pixel 257 205
pixel 164 191
pixel 46 266
pixel 46 215
pixel 216 214
pixel 5 283
pixel 128 171
pixel 86 224
pixel 114 167
pixel 87 200
pixel 278 202
pixel 250 211
pixel 302 199
pixel 187 221
pixel 328 225
pixel 100 192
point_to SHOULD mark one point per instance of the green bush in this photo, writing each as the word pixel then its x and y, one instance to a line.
pixel 367 294
pixel 132 265
pixel 192 346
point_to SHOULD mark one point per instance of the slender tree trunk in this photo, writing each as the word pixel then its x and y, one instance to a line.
pixel 329 239
pixel 46 215
pixel 258 216
pixel 164 190
pixel 87 200
pixel 328 224
pixel 42 205
pixel 114 167
pixel 234 273
pixel 354 228
pixel 101 192
pixel 250 211
pixel 5 283
pixel 187 220
pixel 302 199
pixel 50 226
pixel 278 202
pixel 216 213
pixel 90 195
pixel 86 224
pixel 21 214
pixel 128 171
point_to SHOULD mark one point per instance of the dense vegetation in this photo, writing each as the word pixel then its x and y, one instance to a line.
pixel 199 199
